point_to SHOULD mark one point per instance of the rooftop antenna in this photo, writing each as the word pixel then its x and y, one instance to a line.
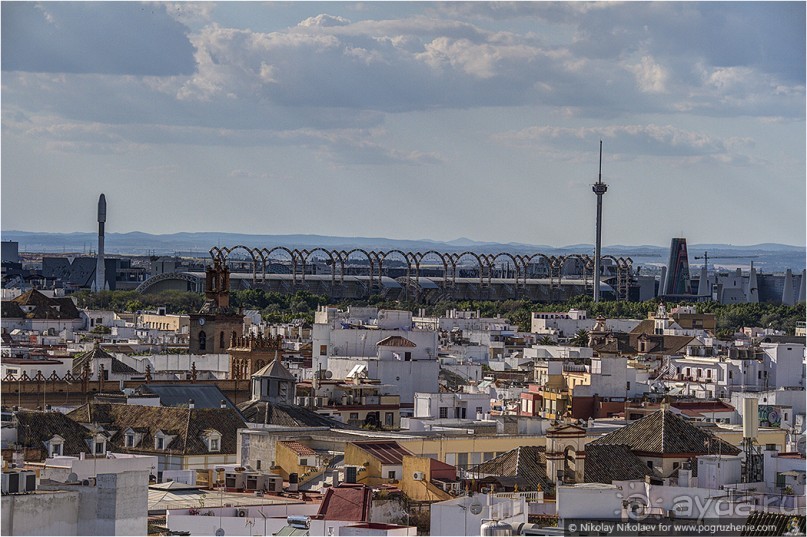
pixel 599 188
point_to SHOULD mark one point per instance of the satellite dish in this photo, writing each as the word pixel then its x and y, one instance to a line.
pixel 801 444
pixel 328 374
pixel 475 508
pixel 219 532
pixel 72 478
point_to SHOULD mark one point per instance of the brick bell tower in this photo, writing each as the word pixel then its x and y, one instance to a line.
pixel 216 324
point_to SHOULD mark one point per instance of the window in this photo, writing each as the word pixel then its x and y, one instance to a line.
pixel 258 464
pixel 759 374
pixel 676 465
pixel 323 350
pixel 389 419
pixel 443 411
pixel 780 480
pixel 160 442
pixel 56 449
pixel 303 462
pixel 130 440
pixel 214 444
pixel 221 339
pixel 99 447
pixel 202 340
pixel 354 415
pixel 391 474
pixel 650 464
pixel 407 356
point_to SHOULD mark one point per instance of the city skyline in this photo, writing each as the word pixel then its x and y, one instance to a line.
pixel 408 120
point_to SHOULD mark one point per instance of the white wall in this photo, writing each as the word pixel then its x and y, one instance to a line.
pixel 784 363
pixel 43 513
pixel 218 364
pixel 58 468
pixel 420 375
pixel 455 517
pixel 272 517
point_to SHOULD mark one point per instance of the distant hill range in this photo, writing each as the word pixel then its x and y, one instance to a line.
pixel 768 257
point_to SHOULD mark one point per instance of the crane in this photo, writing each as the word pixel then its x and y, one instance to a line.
pixel 705 257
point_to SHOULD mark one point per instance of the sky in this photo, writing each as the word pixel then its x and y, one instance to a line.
pixel 408 120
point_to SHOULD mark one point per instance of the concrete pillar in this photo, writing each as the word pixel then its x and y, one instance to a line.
pixel 752 295
pixel 703 283
pixel 787 293
pixel 662 281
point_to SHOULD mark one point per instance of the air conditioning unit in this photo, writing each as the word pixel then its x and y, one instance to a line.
pixel 418 476
pixel 27 481
pixel 242 513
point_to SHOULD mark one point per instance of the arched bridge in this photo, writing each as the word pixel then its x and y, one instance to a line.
pixel 427 276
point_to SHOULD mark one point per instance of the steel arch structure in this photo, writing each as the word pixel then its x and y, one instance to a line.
pixel 413 261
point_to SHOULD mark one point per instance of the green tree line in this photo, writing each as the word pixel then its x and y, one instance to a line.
pixel 277 307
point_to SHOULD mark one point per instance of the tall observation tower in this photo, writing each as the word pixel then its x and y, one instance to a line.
pixel 100 266
pixel 599 189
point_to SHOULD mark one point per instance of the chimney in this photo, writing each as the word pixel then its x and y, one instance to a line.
pixel 191 404
pixel 81 456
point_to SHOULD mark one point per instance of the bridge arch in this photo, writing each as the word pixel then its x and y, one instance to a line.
pixel 455 259
pixel 418 258
pixel 306 254
pixel 491 259
pixel 344 256
pixel 252 254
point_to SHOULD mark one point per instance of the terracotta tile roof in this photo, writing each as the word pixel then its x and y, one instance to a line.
pixel 11 310
pixel 45 307
pixel 396 341
pixel 298 448
pixel 347 502
pixel 35 428
pixel 386 452
pixel 96 353
pixel 608 463
pixel 285 415
pixel 187 424
pixel 762 523
pixel 525 462
pixel 621 343
pixel 701 408
pixel 665 432
pixel 274 369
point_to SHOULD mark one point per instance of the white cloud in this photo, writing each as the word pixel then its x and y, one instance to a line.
pixel 324 21
pixel 650 76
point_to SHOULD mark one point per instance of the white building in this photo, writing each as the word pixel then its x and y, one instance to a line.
pixel 466 514
pixel 60 468
pixel 610 376
pixel 472 406
pixel 108 504
pixel 700 373
pixel 383 344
